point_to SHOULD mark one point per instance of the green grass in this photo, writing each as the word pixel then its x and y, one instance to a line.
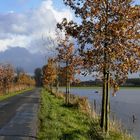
pixel 58 122
pixel 6 96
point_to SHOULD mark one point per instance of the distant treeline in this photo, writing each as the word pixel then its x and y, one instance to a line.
pixel 88 83
pixel 129 82
pixel 97 82
pixel 132 82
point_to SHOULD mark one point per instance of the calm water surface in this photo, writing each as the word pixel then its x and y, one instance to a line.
pixel 125 106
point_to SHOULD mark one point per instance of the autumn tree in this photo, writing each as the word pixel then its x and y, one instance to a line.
pixel 31 82
pixel 51 43
pixel 6 77
pixel 109 40
pixel 69 61
pixel 18 71
pixel 49 73
pixel 25 80
pixel 58 73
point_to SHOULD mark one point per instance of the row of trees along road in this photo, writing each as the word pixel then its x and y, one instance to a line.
pixel 69 61
pixel 12 80
pixel 49 73
pixel 109 42
pixel 62 68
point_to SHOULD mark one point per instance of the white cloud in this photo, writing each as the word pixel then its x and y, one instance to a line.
pixel 14 41
pixel 26 29
pixel 48 5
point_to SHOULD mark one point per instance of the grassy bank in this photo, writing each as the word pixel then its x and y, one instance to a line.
pixel 58 122
pixel 8 95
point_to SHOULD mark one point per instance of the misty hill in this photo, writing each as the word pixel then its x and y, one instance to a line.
pixel 21 57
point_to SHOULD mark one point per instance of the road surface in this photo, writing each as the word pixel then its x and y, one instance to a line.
pixel 18 116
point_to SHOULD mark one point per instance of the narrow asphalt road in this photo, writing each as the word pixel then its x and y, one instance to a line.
pixel 18 116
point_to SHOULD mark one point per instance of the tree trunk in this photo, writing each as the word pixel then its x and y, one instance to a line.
pixel 51 86
pixel 105 96
pixel 57 79
pixel 68 92
pixel 57 85
pixel 67 85
pixel 107 102
pixel 103 111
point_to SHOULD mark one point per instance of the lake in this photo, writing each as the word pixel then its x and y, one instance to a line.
pixel 125 106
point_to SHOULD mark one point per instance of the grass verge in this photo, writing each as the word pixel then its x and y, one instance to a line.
pixel 59 122
pixel 6 96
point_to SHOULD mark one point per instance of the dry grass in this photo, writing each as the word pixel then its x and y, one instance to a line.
pixel 116 128
pixel 77 101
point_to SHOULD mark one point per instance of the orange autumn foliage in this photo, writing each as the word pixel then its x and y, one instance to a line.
pixel 110 28
pixel 70 61
pixel 49 73
pixel 109 42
